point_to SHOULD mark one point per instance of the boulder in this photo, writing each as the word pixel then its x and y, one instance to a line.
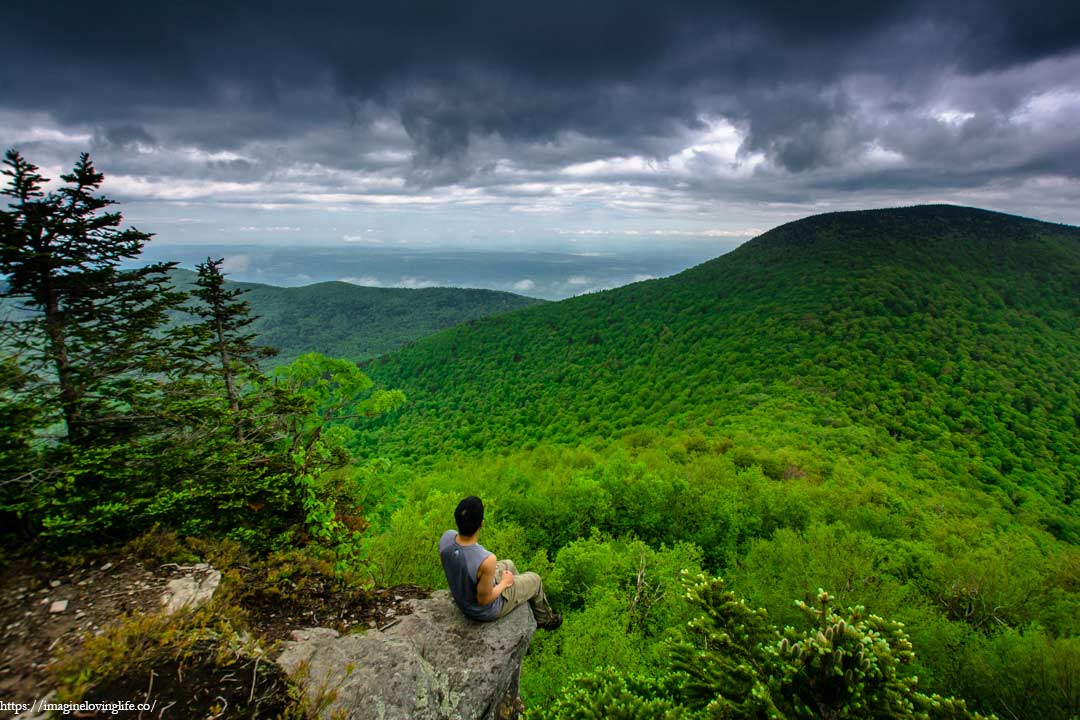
pixel 432 664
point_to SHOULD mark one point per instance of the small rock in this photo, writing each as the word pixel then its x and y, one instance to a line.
pixel 308 634
pixel 107 566
pixel 187 591
pixel 59 606
pixel 55 583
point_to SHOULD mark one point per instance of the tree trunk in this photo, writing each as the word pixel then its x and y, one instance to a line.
pixel 226 371
pixel 69 391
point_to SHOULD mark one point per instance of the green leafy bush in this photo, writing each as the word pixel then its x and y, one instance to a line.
pixel 732 663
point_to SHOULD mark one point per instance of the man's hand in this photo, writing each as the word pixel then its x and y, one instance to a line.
pixel 507 580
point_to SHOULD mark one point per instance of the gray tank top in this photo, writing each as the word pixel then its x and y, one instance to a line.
pixel 461 563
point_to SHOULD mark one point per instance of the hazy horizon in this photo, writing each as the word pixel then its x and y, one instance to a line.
pixel 550 275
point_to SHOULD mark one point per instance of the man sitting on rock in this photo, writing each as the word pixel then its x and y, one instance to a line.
pixel 483 587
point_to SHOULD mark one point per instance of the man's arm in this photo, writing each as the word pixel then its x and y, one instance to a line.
pixel 486 589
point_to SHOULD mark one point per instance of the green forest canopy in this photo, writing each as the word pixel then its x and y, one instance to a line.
pixel 949 329
pixel 884 404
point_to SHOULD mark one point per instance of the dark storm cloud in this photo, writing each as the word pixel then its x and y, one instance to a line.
pixel 249 88
pixel 124 136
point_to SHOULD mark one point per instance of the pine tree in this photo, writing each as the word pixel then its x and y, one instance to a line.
pixel 90 330
pixel 220 345
pixel 178 427
pixel 228 318
pixel 87 356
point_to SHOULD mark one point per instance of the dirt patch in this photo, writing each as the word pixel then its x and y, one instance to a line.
pixel 272 617
pixel 199 687
pixel 43 608
pixel 48 611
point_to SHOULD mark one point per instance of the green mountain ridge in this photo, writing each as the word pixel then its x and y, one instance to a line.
pixel 340 319
pixel 881 404
pixel 953 329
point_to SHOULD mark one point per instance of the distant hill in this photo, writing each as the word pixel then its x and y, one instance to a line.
pixel 952 329
pixel 351 321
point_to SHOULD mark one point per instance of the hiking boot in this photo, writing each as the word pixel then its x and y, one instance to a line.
pixel 552 624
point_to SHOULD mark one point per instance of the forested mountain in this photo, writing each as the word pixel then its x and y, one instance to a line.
pixel 884 404
pixel 949 328
pixel 355 322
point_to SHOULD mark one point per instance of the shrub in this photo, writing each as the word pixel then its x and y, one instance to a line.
pixel 732 663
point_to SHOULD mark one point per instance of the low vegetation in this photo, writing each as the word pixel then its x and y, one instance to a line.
pixel 730 662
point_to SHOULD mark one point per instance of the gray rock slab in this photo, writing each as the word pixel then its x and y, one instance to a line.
pixel 434 664
pixel 190 590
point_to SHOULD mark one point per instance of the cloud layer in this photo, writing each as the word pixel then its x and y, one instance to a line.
pixel 691 117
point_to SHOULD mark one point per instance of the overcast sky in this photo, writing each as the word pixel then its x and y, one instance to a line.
pixel 518 125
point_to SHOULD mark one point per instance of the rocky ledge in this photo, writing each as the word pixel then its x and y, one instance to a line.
pixel 432 664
